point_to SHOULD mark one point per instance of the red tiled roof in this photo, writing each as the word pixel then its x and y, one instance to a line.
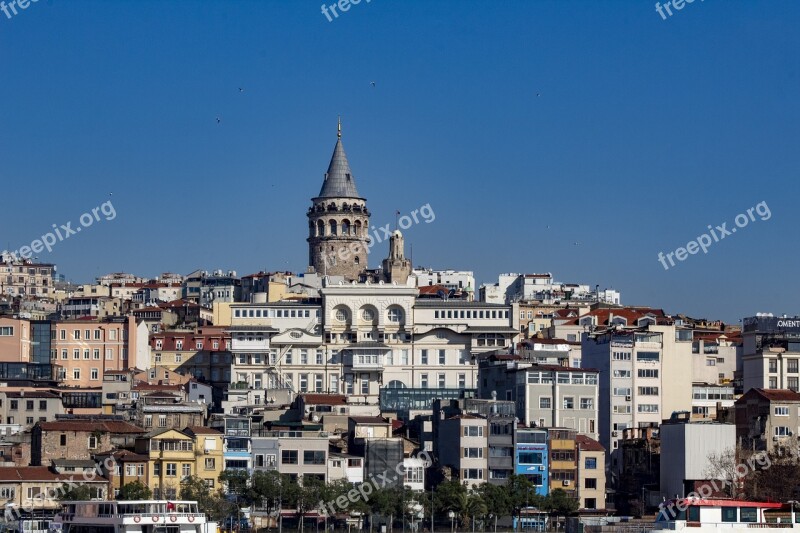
pixel 27 473
pixel 324 399
pixel 778 395
pixel 589 444
pixel 88 426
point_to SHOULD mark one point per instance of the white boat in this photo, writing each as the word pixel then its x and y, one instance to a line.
pixel 134 516
pixel 725 516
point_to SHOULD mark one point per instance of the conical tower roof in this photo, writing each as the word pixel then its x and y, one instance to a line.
pixel 339 181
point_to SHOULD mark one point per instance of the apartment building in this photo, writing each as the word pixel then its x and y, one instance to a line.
pixel 767 419
pixel 122 467
pixel 469 460
pixel 371 437
pixel 545 395
pixel 26 488
pixel 25 277
pixel 301 455
pixel 357 338
pixel 531 457
pixel 203 352
pixel 26 407
pixel 643 375
pixel 171 458
pixel 591 473
pixel 209 447
pixel 83 350
pixel 771 352
pixel 563 461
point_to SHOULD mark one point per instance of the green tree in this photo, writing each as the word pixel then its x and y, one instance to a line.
pixel 560 503
pixel 214 504
pixel 266 489
pixel 75 492
pixel 497 499
pixel 237 483
pixel 521 493
pixel 135 490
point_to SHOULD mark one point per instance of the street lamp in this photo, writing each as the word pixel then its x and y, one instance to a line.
pixel 452 516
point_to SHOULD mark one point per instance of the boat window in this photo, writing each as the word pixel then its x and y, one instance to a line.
pixel 693 514
pixel 729 514
pixel 748 514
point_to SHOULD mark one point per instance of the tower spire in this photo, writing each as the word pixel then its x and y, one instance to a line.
pixel 339 130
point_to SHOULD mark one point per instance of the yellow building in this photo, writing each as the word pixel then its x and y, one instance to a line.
pixel 174 455
pixel 210 462
pixel 171 458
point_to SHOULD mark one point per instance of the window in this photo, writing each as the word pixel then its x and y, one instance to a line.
pixel 289 457
pixel 289 357
pixel 7 331
pixel 622 373
pixel 97 334
pixel 530 458
pixel 76 354
pixel 92 442
pixel 210 463
pixel 729 514
pixel 782 431
pixel 441 381
pixel 156 469
pixel 648 391
pixel 43 405
pixel 319 358
pixel 395 314
pixel 172 469
pixel 314 457
pixel 462 381
pixel 473 453
pixel 647 356
pixel 590 483
pixel 781 411
pixel 303 357
pixel 473 431
pixel 162 421
pixel 423 357
pixel 364 383
pixel 76 373
pixel 423 381
pixel 773 383
pixel 622 391
pixel 34 492
pixel 76 334
pixel 569 402
pixel 473 473
pixel 29 405
pixel 590 463
pixel 621 356
pixel 303 382
pixel 544 402
pixel 587 403
pixel 748 514
pixel 186 470
pixel 442 357
pixel 791 366
pixel 648 372
pixel 773 365
pixel 647 408
pixel 94 374
pixel 791 384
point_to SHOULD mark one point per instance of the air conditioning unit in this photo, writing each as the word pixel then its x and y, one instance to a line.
pixel 566 483
pixel 627 398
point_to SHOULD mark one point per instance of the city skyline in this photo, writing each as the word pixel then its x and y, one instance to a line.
pixel 538 153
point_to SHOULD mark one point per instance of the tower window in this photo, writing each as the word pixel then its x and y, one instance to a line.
pixel 357 261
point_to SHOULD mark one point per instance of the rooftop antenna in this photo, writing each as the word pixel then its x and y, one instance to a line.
pixel 339 130
pixel 396 219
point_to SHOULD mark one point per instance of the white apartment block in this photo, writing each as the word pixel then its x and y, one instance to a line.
pixel 542 288
pixel 644 377
pixel 771 352
pixel 452 279
pixel 358 338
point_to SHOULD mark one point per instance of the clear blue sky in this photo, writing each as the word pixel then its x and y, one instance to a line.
pixel 643 133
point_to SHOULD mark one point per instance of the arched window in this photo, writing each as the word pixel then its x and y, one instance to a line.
pixel 357 228
pixel 345 227
pixel 333 227
pixel 320 228
pixel 396 384
pixel 357 260
pixel 395 314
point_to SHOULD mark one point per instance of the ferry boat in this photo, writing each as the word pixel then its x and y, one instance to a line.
pixel 725 516
pixel 134 516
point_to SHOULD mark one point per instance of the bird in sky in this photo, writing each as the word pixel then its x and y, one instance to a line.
pixel 219 120
pixel 241 89
pixel 373 83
